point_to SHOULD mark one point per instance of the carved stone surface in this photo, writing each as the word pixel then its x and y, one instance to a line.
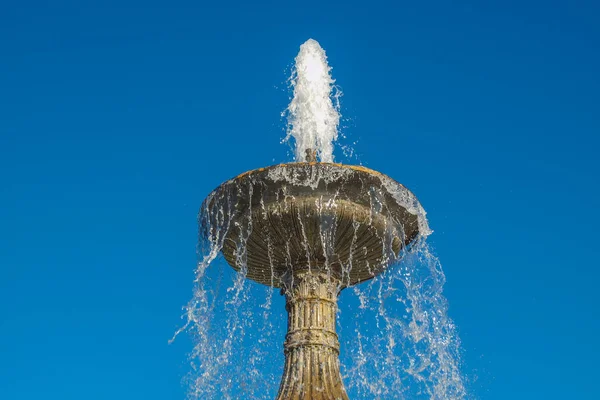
pixel 312 368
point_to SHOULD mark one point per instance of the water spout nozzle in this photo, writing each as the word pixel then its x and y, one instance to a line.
pixel 311 155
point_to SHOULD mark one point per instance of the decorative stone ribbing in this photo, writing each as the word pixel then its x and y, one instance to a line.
pixel 310 214
pixel 312 367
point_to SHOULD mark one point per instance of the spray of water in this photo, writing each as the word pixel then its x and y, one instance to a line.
pixel 398 341
pixel 313 114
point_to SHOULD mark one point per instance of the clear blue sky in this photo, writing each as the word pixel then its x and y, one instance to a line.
pixel 118 117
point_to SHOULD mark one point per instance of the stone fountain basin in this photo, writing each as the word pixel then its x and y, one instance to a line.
pixel 348 221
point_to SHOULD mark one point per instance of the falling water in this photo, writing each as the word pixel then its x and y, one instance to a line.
pixel 313 114
pixel 397 341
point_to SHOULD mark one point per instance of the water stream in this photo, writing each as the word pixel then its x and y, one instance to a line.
pixel 314 112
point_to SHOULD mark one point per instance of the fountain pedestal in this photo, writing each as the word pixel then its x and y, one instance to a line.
pixel 312 366
pixel 311 229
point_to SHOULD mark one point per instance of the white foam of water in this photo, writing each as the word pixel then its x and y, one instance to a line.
pixel 313 114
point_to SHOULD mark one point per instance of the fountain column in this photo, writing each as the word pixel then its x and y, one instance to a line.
pixel 312 367
pixel 285 218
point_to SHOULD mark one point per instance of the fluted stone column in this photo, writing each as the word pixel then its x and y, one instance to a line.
pixel 312 367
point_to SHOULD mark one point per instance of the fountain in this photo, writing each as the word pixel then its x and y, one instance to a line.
pixel 310 228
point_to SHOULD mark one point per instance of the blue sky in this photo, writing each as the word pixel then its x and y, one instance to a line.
pixel 118 118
